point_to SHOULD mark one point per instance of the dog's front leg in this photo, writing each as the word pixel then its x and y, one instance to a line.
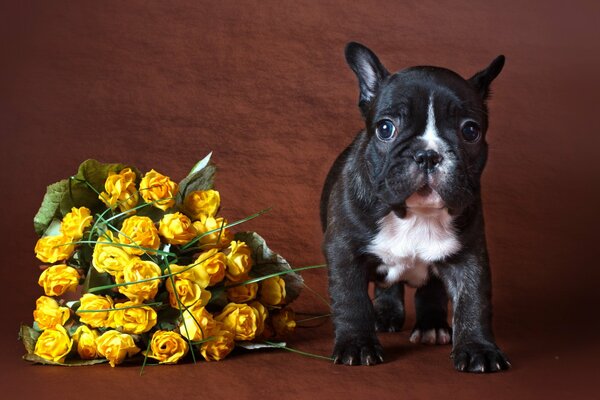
pixel 353 314
pixel 468 283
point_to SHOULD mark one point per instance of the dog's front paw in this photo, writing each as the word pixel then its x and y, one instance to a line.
pixel 358 351
pixel 479 357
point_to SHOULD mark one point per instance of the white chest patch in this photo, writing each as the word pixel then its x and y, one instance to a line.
pixel 407 246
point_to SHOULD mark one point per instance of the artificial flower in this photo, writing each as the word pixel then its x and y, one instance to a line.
pixel 120 190
pixel 58 279
pixel 159 190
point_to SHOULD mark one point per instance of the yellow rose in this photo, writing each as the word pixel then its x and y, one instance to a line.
pixel 239 261
pixel 261 316
pixel 220 238
pixel 242 294
pixel 139 231
pixel 272 291
pixel 198 324
pixel 202 203
pixel 75 222
pixel 137 270
pixel 95 319
pixel 135 320
pixel 115 346
pixel 167 347
pixel 120 190
pixel 218 348
pixel 176 228
pixel 284 322
pixel 159 189
pixel 85 339
pixel 51 249
pixel 211 267
pixel 48 313
pixel 54 344
pixel 108 257
pixel 187 292
pixel 240 319
pixel 58 279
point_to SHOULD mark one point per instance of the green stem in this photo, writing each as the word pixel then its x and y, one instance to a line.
pixel 279 346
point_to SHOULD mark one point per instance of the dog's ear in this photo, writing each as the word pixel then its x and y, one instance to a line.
pixel 369 71
pixel 482 80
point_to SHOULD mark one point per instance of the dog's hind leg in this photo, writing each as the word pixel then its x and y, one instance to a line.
pixel 431 303
pixel 389 308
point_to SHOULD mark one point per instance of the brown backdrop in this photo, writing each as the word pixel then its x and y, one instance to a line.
pixel 264 86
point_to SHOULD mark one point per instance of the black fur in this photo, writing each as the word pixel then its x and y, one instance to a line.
pixel 372 178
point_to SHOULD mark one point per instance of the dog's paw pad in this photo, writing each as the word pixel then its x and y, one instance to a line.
pixel 431 336
pixel 478 358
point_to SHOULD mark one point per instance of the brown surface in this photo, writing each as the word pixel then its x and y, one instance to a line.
pixel 265 87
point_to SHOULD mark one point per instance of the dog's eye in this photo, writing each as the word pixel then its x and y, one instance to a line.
pixel 385 130
pixel 470 131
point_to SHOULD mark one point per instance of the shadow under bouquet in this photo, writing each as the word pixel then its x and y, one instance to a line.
pixel 140 268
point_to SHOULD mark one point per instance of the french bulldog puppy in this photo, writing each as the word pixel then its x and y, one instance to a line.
pixel 402 204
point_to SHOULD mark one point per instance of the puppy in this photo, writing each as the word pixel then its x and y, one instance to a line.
pixel 402 204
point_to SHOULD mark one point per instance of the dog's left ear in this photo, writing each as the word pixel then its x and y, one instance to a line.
pixel 482 80
pixel 369 71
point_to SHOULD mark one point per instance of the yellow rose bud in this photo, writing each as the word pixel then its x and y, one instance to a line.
pixel 211 267
pixel 242 294
pixel 48 313
pixel 108 257
pixel 58 279
pixel 220 238
pixel 139 231
pixel 136 270
pixel 85 339
pixel 120 190
pixel 135 320
pixel 240 319
pixel 202 203
pixel 75 222
pixel 284 322
pixel 51 249
pixel 272 291
pixel 54 344
pixel 115 346
pixel 167 347
pixel 95 319
pixel 262 316
pixel 239 261
pixel 219 348
pixel 176 228
pixel 188 293
pixel 158 188
pixel 198 324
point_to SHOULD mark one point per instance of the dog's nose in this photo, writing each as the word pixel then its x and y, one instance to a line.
pixel 427 159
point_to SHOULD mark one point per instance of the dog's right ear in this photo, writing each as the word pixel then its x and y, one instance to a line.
pixel 369 71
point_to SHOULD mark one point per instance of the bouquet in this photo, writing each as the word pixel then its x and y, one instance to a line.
pixel 139 267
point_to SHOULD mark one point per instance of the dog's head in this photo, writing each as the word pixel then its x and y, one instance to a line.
pixel 426 130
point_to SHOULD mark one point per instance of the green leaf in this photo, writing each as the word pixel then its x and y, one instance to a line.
pixel 50 208
pixel 84 188
pixel 201 177
pixel 268 262
pixel 68 363
pixel 29 337
pixel 95 279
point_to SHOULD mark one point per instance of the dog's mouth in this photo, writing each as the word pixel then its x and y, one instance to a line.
pixel 425 198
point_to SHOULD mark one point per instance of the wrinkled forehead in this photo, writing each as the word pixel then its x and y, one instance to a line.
pixel 413 89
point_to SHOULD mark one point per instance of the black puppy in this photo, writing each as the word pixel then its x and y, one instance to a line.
pixel 402 204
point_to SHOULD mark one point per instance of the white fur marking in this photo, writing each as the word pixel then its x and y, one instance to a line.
pixel 407 246
pixel 431 134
